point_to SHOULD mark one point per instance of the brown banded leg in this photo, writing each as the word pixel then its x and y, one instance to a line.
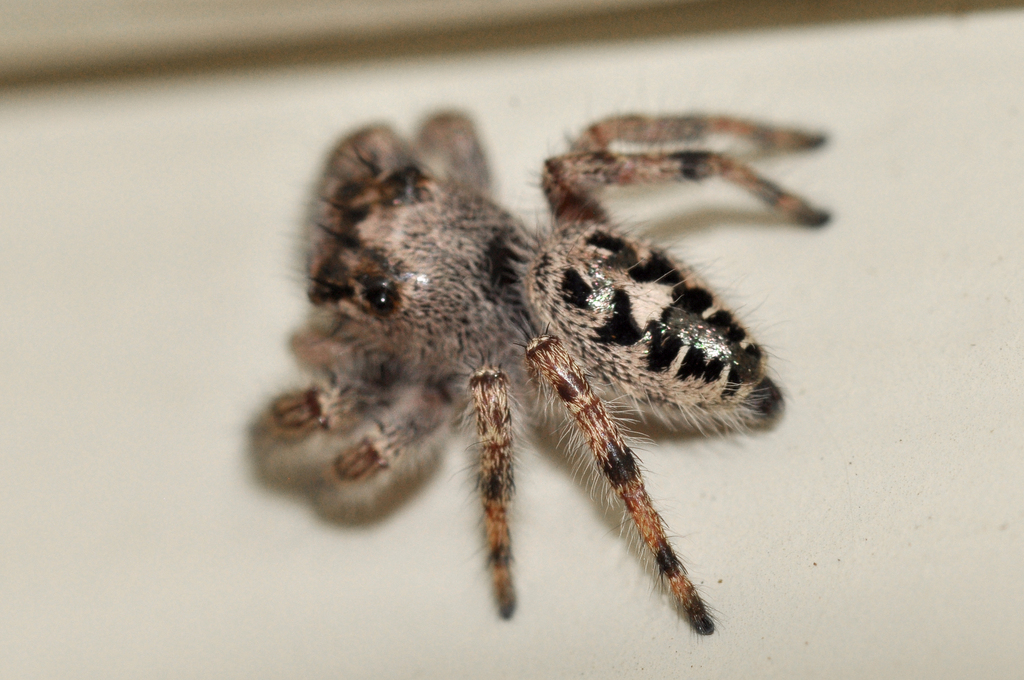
pixel 411 415
pixel 292 438
pixel 653 131
pixel 572 181
pixel 447 141
pixel 295 414
pixel 546 356
pixel 343 429
pixel 300 429
pixel 322 408
pixel 489 387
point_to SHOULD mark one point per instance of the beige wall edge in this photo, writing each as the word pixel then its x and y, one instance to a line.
pixel 45 42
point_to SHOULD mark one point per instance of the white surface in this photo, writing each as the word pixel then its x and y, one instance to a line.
pixel 148 283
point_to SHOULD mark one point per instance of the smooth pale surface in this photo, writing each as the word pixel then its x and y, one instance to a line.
pixel 149 278
pixel 58 34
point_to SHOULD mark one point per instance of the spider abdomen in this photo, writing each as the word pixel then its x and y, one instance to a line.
pixel 646 323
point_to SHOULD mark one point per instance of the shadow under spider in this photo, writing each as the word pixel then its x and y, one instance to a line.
pixel 383 506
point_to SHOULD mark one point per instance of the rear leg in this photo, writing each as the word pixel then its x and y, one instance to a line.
pixel 648 131
pixel 572 182
pixel 546 356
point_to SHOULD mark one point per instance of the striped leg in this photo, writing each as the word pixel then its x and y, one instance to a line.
pixel 651 131
pixel 489 387
pixel 546 356
pixel 571 181
pixel 397 429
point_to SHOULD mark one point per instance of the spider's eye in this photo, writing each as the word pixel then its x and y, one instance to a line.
pixel 380 294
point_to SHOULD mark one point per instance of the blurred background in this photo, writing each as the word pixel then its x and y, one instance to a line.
pixel 156 159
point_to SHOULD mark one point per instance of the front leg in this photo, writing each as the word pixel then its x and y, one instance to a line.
pixel 354 396
pixel 352 444
pixel 546 356
pixel 398 431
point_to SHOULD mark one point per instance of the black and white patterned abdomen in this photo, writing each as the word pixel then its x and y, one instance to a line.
pixel 651 328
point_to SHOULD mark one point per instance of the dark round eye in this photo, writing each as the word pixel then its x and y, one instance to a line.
pixel 380 294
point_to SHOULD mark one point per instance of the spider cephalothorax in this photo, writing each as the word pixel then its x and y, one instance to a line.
pixel 427 297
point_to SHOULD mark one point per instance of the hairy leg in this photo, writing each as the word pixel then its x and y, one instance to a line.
pixel 572 181
pixel 448 143
pixel 348 439
pixel 546 356
pixel 648 131
pixel 489 387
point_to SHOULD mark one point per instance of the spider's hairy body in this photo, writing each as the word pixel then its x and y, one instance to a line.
pixel 428 297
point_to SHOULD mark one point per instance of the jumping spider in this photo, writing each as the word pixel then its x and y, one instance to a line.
pixel 428 297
